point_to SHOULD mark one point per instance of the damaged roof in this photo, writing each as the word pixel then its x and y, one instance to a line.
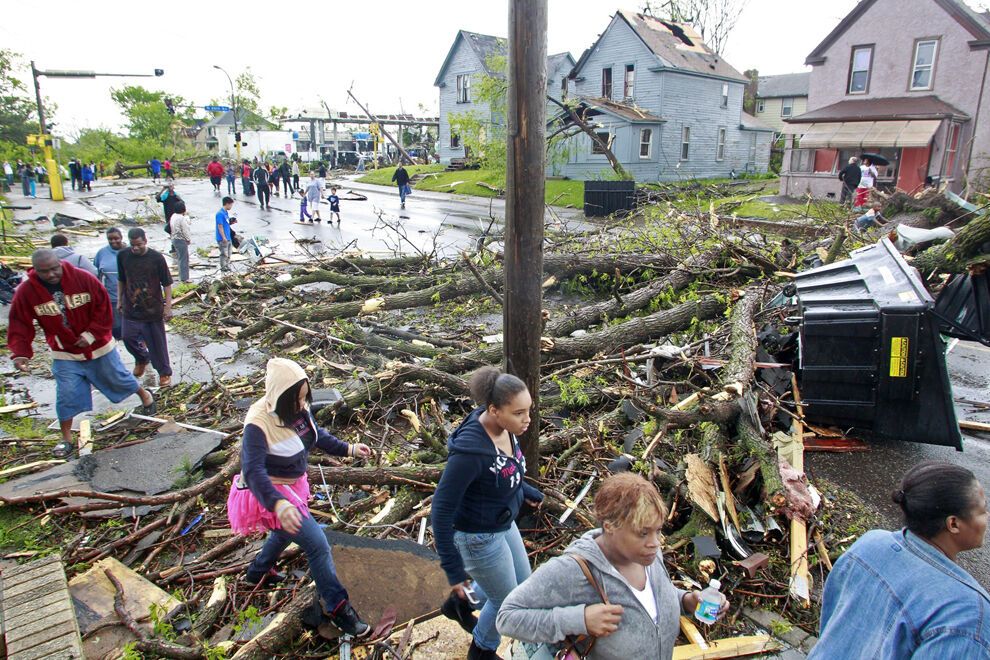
pixel 676 45
pixel 626 111
pixel 904 107
pixel 786 85
pixel 485 46
pixel 748 122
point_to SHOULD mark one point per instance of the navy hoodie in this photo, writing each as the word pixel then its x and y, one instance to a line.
pixel 480 491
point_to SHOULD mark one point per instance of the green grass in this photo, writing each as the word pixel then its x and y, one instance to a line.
pixel 560 192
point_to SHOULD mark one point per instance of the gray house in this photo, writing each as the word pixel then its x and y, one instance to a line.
pixel 669 106
pixel 469 58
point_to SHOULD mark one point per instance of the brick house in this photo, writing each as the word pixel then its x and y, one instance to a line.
pixel 902 78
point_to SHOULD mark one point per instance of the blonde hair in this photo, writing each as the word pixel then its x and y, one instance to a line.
pixel 628 500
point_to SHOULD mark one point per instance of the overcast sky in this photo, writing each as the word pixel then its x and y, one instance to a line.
pixel 391 50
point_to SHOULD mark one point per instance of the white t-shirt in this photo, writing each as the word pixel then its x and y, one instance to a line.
pixel 869 176
pixel 181 227
pixel 646 597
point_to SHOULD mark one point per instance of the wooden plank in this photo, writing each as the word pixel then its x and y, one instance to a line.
pixel 967 425
pixel 732 647
pixel 85 437
pixel 59 648
pixel 17 407
pixel 36 632
pixel 44 601
pixel 38 616
pixel 54 611
pixel 29 467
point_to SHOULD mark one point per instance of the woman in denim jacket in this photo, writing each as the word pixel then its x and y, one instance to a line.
pixel 901 594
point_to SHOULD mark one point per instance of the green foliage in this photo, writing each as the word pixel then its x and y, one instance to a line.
pixel 188 474
pixel 18 116
pixel 572 391
pixel 148 120
pixel 246 618
pixel 161 628
pixel 130 652
pixel 214 652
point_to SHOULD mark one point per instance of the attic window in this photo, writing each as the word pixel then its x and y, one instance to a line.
pixel 678 32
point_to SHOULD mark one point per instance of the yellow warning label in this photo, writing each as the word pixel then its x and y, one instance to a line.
pixel 898 357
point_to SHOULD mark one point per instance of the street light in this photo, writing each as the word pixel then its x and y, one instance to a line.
pixel 43 139
pixel 233 104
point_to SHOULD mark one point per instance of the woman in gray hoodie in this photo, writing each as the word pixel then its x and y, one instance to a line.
pixel 642 617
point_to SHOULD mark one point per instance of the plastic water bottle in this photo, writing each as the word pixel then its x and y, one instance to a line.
pixel 711 600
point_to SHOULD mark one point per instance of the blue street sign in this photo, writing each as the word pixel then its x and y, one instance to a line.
pixel 216 108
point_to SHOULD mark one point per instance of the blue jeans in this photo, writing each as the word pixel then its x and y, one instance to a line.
pixel 497 563
pixel 313 542
pixel 402 193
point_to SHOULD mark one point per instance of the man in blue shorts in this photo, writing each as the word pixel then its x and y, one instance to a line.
pixel 73 309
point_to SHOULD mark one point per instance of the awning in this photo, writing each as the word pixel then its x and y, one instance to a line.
pixel 863 134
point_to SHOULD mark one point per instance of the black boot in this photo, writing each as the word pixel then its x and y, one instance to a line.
pixel 475 652
pixel 459 610
pixel 348 621
pixel 268 579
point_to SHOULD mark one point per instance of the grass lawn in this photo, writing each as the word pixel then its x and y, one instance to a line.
pixel 558 192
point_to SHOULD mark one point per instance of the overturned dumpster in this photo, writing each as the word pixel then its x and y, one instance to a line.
pixel 870 355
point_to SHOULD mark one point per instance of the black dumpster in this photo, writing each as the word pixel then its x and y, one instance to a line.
pixel 963 307
pixel 870 355
pixel 608 197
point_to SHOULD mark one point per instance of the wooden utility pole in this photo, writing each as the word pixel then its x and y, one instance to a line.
pixel 391 139
pixel 524 205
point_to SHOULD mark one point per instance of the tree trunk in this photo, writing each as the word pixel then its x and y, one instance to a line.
pixel 951 256
pixel 590 131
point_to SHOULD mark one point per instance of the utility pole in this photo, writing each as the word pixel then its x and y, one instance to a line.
pixel 522 321
pixel 233 104
pixel 386 133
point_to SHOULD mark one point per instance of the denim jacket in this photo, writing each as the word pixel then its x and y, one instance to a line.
pixel 892 595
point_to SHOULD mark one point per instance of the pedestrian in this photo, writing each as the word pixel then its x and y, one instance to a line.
pixel 264 191
pixel 477 500
pixel 144 295
pixel 313 195
pixel 275 175
pixel 401 178
pixel 285 173
pixel 24 174
pixel 902 594
pixel 247 187
pixel 642 617
pixel 215 171
pixel 272 489
pixel 60 244
pixel 156 169
pixel 231 173
pixel 96 170
pixel 167 168
pixel 322 169
pixel 871 218
pixel 106 271
pixel 224 235
pixel 87 178
pixel 303 212
pixel 334 204
pixel 295 175
pixel 73 310
pixel 75 173
pixel 170 200
pixel 850 177
pixel 32 178
pixel 8 173
pixel 868 179
pixel 181 238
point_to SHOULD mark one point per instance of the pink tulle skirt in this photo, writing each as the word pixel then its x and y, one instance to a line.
pixel 247 515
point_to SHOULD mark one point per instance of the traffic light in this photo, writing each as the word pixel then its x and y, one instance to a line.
pixel 169 106
pixel 237 136
pixel 159 72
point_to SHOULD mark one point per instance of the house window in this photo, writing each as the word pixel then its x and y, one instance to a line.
pixel 563 88
pixel 802 160
pixel 604 137
pixel 761 106
pixel 464 89
pixel 786 107
pixel 951 146
pixel 720 145
pixel 455 141
pixel 629 82
pixel 645 142
pixel 685 142
pixel 607 83
pixel 725 95
pixel 859 69
pixel 924 64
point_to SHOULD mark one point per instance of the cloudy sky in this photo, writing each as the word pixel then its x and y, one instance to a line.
pixel 390 50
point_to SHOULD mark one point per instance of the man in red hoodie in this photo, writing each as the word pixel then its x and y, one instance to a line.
pixel 73 310
pixel 215 170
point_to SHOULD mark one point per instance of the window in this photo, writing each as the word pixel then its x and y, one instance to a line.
pixel 604 137
pixel 464 89
pixel 725 95
pixel 685 142
pixel 761 106
pixel 607 83
pixel 859 69
pixel 628 84
pixel 924 64
pixel 786 107
pixel 951 146
pixel 645 142
pixel 563 88
pixel 455 141
pixel 802 160
pixel 720 145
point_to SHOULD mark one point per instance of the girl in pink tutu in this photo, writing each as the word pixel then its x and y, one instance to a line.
pixel 271 491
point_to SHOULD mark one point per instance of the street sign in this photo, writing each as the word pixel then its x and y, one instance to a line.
pixel 216 108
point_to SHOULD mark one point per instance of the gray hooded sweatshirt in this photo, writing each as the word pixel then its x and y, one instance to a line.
pixel 550 604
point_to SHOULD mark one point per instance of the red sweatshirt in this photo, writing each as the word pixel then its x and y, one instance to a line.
pixel 87 307
pixel 215 169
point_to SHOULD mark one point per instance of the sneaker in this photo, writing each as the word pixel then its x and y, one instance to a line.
pixel 348 621
pixel 269 579
pixel 164 381
pixel 63 449
pixel 459 610
pixel 475 652
pixel 139 369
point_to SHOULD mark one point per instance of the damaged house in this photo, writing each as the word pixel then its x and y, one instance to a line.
pixel 912 92
pixel 668 106
pixel 470 57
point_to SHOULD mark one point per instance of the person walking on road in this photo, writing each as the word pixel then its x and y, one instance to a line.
pixel 60 244
pixel 247 188
pixel 73 310
pixel 275 175
pixel 284 172
pixel 156 169
pixel 313 195
pixel 75 173
pixel 261 180
pixel 144 295
pixel 8 174
pixel 231 173
pixel 24 174
pixel 167 168
pixel 295 176
pixel 106 268
pixel 215 171
pixel 334 202
pixel 401 178
pixel 849 176
pixel 224 235
pixel 181 238
pixel 303 207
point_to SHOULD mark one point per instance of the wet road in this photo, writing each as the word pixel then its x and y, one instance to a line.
pixel 873 475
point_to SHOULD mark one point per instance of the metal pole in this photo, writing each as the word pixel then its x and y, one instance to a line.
pixel 233 104
pixel 37 94
pixel 524 206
